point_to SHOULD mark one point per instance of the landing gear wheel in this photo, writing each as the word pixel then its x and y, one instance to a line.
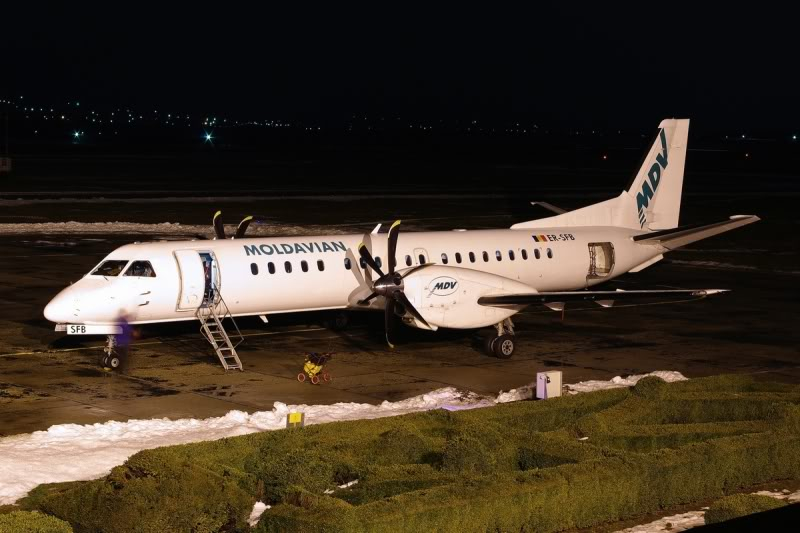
pixel 503 346
pixel 112 361
pixel 340 321
pixel 488 344
pixel 301 377
pixel 326 377
pixel 315 380
pixel 337 322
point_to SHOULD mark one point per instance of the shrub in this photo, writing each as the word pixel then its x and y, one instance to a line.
pixel 32 522
pixel 517 466
pixel 739 505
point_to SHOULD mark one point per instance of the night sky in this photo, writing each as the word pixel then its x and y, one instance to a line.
pixel 568 65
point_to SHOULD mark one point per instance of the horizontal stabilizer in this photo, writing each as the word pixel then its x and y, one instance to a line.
pixel 671 239
pixel 550 207
pixel 604 297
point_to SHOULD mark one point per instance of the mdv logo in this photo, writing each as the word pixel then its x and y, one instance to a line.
pixel 443 286
pixel 649 188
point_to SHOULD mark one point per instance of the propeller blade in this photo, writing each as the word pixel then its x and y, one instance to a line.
pixel 242 228
pixel 389 321
pixel 364 253
pixel 219 229
pixel 368 298
pixel 404 301
pixel 394 231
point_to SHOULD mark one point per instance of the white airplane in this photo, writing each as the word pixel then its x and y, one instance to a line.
pixel 443 279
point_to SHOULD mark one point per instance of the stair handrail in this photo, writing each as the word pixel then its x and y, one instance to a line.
pixel 226 312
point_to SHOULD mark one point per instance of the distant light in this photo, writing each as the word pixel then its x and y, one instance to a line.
pixel 605 157
pixel 76 134
pixel 208 137
pixel 794 137
pixel 742 135
pixel 747 155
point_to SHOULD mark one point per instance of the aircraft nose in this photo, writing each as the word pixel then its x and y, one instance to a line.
pixel 60 310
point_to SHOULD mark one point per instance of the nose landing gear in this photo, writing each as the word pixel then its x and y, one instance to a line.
pixel 503 344
pixel 113 354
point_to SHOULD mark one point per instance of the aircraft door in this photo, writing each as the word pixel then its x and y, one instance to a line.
pixel 192 280
pixel 601 260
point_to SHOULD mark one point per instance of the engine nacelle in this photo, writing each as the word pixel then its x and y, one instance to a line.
pixel 447 296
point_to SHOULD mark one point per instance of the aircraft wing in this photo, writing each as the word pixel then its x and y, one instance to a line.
pixel 603 298
pixel 671 239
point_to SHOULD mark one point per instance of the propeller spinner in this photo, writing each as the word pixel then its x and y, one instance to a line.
pixel 390 285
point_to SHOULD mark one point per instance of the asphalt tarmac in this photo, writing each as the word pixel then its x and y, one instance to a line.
pixel 47 378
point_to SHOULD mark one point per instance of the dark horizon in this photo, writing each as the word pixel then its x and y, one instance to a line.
pixel 595 67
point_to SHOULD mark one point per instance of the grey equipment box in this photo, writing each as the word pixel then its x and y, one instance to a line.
pixel 548 384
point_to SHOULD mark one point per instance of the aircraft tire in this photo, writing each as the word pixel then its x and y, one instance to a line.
pixel 504 346
pixel 340 321
pixel 315 380
pixel 301 377
pixel 488 345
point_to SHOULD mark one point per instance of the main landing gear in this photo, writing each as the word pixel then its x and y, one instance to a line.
pixel 503 344
pixel 337 321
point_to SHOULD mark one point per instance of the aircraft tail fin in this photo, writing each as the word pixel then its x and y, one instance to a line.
pixel 652 200
pixel 656 189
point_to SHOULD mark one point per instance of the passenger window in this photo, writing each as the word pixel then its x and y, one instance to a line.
pixel 537 254
pixel 141 269
pixel 110 268
pixel 347 264
pixel 254 269
pixel 511 255
pixel 549 253
pixel 304 265
pixel 485 257
pixel 458 257
pixel 524 254
pixel 444 259
pixel 271 267
pixel 288 267
pixel 320 265
pixel 421 259
pixel 408 260
pixel 498 255
pixel 471 257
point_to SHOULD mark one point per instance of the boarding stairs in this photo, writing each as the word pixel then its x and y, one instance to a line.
pixel 211 315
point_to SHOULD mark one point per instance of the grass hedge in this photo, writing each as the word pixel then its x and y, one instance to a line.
pixel 31 522
pixel 739 505
pixel 569 462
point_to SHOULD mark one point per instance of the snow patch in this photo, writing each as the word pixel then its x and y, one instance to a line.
pixel 163 228
pixel 619 382
pixel 678 522
pixel 255 514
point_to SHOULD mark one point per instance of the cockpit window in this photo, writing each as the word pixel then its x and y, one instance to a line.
pixel 110 268
pixel 141 269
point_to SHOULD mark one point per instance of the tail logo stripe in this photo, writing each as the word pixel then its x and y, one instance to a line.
pixel 649 189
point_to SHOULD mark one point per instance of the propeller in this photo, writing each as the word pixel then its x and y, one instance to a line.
pixel 219 227
pixel 390 284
